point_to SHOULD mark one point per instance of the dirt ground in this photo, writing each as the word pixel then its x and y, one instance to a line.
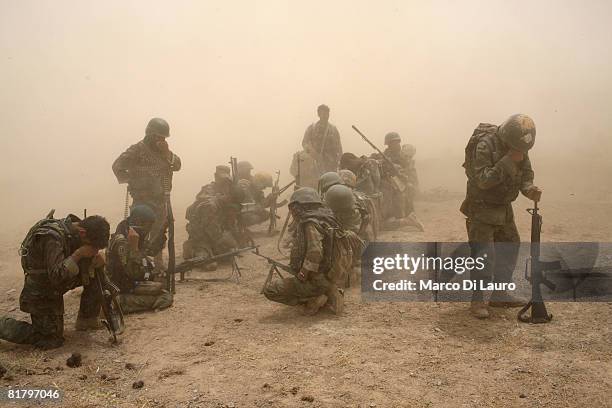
pixel 223 344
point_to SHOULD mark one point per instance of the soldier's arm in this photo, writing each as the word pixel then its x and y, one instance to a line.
pixel 338 142
pixel 121 166
pixel 314 250
pixel 129 260
pixel 175 162
pixel 59 267
pixel 527 179
pixel 307 140
pixel 487 173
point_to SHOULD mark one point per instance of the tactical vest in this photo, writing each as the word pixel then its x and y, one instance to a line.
pixel 33 262
pixel 503 193
pixel 115 264
pixel 150 176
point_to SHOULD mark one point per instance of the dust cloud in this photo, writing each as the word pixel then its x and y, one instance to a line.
pixel 79 81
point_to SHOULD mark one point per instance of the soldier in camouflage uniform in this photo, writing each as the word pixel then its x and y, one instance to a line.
pixel 130 267
pixel 322 142
pixel 321 256
pixel 366 171
pixel 147 167
pixel 366 206
pixel 256 201
pixel 212 218
pixel 398 207
pixel 498 168
pixel 58 255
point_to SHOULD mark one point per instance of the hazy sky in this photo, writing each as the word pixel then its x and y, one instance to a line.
pixel 80 79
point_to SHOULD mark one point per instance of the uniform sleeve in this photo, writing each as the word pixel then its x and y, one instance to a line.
pixel 175 163
pixel 487 173
pixel 59 268
pixel 314 248
pixel 527 178
pixel 130 261
pixel 121 166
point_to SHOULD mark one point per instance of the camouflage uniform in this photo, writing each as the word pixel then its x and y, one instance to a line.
pixel 50 272
pixel 323 141
pixel 494 182
pixel 311 253
pixel 127 269
pixel 149 177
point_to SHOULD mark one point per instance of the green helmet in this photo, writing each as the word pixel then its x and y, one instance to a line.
pixel 157 127
pixel 518 132
pixel 348 178
pixel 340 198
pixel 409 150
pixel 142 213
pixel 244 167
pixel 327 180
pixel 305 195
pixel 391 137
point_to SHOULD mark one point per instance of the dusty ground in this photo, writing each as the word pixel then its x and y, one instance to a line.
pixel 224 345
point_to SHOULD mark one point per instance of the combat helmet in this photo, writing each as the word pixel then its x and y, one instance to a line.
pixel 157 127
pixel 305 195
pixel 518 132
pixel 348 178
pixel 327 180
pixel 262 180
pixel 340 198
pixel 142 214
pixel 391 137
pixel 244 167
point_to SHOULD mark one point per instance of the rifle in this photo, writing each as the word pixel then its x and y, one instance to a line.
pixel 396 177
pixel 170 282
pixel 539 313
pixel 274 267
pixel 191 263
pixel 276 192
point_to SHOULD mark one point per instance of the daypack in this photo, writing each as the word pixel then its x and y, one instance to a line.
pixel 483 129
pixel 44 227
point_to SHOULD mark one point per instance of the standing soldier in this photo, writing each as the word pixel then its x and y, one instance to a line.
pixel 322 142
pixel 56 256
pixel 147 168
pixel 321 256
pixel 129 266
pixel 497 167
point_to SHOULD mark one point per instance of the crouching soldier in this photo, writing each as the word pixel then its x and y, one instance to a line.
pixel 321 256
pixel 57 255
pixel 130 266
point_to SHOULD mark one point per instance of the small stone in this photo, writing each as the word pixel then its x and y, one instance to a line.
pixel 266 386
pixel 307 398
pixel 209 343
pixel 238 320
pixel 104 376
pixel 82 377
pixel 522 396
pixel 130 366
pixel 74 360
pixel 294 390
pixel 230 405
pixel 138 384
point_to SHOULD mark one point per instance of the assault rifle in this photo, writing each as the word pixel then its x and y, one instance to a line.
pixel 243 231
pixel 539 314
pixel 396 177
pixel 274 267
pixel 274 204
pixel 197 261
pixel 170 282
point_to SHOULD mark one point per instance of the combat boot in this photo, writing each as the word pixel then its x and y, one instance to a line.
pixel 313 305
pixel 87 323
pixel 501 298
pixel 479 309
pixel 335 300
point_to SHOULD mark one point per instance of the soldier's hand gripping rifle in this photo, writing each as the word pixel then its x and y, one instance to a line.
pixel 396 176
pixel 539 313
pixel 275 266
pixel 274 204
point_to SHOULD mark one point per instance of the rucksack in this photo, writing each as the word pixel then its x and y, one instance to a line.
pixel 483 129
pixel 46 226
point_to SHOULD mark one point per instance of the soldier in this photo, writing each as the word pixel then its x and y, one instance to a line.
pixel 212 218
pixel 147 167
pixel 322 142
pixel 56 256
pixel 366 171
pixel 497 167
pixel 129 266
pixel 256 200
pixel 398 203
pixel 321 256
pixel 244 170
pixel 364 205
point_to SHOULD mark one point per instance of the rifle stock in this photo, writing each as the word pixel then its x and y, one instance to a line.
pixel 189 264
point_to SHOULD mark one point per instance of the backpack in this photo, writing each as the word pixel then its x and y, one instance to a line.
pixel 483 129
pixel 44 227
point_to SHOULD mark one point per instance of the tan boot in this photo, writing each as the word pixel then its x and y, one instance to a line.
pixel 335 300
pixel 90 323
pixel 313 305
pixel 479 309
